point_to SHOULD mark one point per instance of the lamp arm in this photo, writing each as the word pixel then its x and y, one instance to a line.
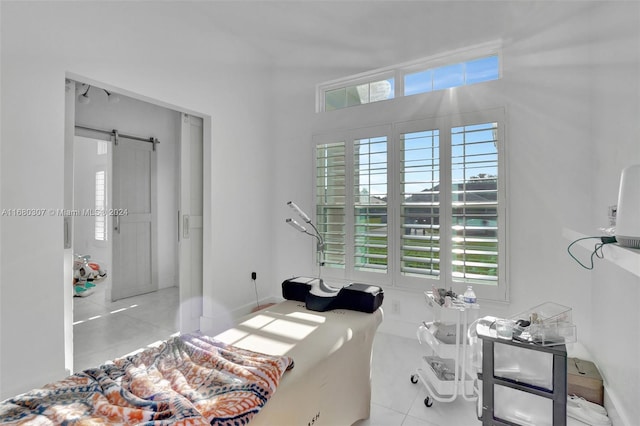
pixel 320 246
pixel 318 235
pixel 307 219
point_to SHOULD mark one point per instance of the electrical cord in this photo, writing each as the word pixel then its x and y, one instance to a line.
pixel 255 286
pixel 597 251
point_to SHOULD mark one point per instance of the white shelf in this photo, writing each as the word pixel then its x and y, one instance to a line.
pixel 443 350
pixel 626 258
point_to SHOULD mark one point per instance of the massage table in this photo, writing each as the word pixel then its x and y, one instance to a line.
pixel 285 365
pixel 330 383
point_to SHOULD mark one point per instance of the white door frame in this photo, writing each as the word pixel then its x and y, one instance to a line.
pixel 190 222
pixel 207 240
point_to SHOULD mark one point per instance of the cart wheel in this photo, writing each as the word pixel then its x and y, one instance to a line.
pixel 428 402
pixel 414 378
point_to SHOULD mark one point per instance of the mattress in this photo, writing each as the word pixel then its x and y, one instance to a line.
pixel 330 383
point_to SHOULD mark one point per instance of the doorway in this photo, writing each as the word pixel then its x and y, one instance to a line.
pixel 143 179
pixel 92 171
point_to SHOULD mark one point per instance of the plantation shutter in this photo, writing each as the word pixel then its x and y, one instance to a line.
pixel 420 203
pixel 474 203
pixel 330 201
pixel 370 204
pixel 417 203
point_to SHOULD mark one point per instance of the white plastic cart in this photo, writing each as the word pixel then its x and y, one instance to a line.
pixel 444 370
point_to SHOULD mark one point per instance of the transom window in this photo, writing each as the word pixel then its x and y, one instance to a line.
pixel 453 75
pixel 470 66
pixel 359 94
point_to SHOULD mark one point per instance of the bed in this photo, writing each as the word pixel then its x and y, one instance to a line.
pixel 284 365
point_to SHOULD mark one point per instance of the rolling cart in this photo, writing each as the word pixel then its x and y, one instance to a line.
pixel 443 370
pixel 524 378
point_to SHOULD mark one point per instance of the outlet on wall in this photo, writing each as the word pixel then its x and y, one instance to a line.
pixel 395 307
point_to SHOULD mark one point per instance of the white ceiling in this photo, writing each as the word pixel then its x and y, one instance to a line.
pixel 356 35
pixel 367 34
pixel 336 37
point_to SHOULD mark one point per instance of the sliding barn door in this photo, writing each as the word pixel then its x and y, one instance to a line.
pixel 134 219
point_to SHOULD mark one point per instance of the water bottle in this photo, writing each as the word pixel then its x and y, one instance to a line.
pixel 469 295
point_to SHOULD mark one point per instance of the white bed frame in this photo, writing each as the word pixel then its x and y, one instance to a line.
pixel 330 383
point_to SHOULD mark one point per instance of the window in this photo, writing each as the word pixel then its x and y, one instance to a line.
pixel 412 193
pixel 420 203
pixel 415 203
pixel 358 94
pixel 100 226
pixel 454 75
pixel 470 66
pixel 331 201
pixel 474 203
pixel 370 204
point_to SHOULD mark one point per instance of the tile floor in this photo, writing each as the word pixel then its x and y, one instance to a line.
pixel 395 401
pixel 105 330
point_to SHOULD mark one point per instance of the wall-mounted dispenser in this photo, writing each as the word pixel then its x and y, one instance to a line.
pixel 628 214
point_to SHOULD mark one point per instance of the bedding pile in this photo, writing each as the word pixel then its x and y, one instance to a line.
pixel 187 380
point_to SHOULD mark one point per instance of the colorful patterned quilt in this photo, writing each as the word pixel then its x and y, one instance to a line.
pixel 187 380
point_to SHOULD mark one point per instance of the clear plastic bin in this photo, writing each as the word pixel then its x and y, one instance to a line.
pixel 521 365
pixel 554 334
pixel 524 365
pixel 550 324
pixel 440 373
pixel 546 313
pixel 522 408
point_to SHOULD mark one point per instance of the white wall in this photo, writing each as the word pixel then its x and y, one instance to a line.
pixel 133 117
pixel 115 43
pixel 615 337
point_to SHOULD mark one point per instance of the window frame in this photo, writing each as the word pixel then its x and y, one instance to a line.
pixel 364 78
pixel 100 217
pixel 348 136
pixel 393 131
pixel 399 71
